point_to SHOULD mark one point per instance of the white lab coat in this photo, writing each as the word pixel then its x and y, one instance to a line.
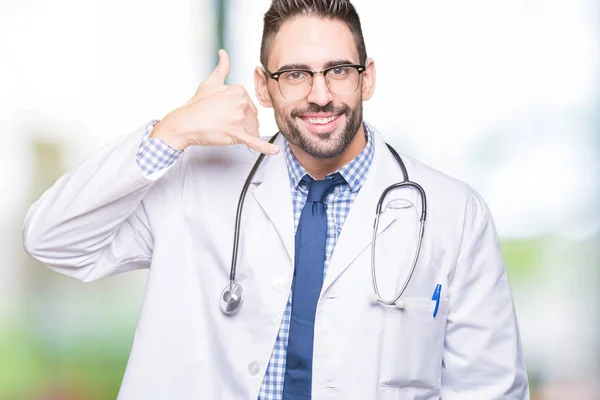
pixel 104 217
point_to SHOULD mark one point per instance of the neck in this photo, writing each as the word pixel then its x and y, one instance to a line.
pixel 319 168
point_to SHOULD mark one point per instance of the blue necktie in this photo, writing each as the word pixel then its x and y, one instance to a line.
pixel 311 240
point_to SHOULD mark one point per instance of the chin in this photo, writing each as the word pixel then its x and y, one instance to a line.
pixel 324 145
pixel 326 140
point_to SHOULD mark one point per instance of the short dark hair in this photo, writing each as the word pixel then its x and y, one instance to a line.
pixel 283 10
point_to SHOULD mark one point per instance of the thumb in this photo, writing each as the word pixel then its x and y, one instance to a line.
pixel 218 75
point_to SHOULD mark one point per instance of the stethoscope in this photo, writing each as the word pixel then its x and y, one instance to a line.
pixel 233 294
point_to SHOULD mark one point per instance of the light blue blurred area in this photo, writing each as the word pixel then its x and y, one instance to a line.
pixel 504 95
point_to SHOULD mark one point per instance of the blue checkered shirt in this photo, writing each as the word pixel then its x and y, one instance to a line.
pixel 154 155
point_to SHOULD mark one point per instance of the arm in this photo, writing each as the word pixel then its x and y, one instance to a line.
pixel 482 352
pixel 92 223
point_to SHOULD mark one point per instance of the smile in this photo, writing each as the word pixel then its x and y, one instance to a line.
pixel 320 121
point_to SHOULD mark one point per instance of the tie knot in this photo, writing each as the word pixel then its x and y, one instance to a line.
pixel 318 190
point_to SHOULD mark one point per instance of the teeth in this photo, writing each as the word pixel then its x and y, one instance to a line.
pixel 320 121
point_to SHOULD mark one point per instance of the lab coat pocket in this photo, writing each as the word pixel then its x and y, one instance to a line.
pixel 412 343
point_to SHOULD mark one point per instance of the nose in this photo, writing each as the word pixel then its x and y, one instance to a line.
pixel 319 92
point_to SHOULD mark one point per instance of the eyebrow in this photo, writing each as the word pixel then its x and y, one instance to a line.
pixel 328 64
pixel 336 63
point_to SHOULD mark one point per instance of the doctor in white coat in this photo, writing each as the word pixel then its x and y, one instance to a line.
pixel 165 198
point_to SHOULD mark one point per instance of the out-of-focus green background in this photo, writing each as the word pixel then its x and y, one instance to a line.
pixel 503 94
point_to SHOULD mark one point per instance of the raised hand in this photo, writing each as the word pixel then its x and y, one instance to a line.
pixel 217 115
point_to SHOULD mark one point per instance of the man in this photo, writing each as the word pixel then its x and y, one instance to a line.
pixel 164 198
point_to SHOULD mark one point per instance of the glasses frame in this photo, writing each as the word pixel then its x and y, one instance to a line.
pixel 276 75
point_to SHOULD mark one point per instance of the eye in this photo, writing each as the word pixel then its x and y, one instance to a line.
pixel 295 76
pixel 339 71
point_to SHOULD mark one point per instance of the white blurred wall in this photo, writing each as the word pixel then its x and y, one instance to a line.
pixel 81 73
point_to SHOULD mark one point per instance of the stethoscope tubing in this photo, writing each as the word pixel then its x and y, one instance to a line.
pixel 238 215
pixel 405 183
pixel 232 295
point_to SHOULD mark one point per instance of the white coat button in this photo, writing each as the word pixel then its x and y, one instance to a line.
pixel 279 285
pixel 254 368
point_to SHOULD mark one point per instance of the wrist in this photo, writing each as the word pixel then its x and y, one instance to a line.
pixel 168 135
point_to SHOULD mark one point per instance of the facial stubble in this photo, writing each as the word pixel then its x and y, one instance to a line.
pixel 326 146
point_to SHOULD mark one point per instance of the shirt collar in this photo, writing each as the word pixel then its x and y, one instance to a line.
pixel 353 172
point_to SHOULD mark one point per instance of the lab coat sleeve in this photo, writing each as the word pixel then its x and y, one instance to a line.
pixel 482 356
pixel 92 222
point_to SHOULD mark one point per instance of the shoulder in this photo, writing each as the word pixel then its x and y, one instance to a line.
pixel 223 156
pixel 446 194
pixel 218 158
pixel 207 169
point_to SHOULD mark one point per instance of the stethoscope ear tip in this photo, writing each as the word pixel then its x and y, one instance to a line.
pixel 373 299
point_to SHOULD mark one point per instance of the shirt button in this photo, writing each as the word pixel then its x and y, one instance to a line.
pixel 254 368
pixel 279 285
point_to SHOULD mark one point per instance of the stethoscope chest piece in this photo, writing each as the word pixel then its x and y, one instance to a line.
pixel 231 298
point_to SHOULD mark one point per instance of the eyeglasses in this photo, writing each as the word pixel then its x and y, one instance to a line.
pixel 296 84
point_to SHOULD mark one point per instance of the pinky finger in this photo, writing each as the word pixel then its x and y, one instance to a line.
pixel 259 145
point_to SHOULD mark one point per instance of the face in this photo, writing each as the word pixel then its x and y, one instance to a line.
pixel 322 124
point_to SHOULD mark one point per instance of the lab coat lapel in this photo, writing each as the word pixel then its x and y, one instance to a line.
pixel 357 232
pixel 274 196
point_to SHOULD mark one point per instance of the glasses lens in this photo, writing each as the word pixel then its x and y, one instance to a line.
pixel 342 80
pixel 295 85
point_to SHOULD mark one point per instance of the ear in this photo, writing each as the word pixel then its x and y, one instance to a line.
pixel 368 83
pixel 261 88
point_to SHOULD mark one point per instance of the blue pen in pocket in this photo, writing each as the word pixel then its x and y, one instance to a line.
pixel 436 296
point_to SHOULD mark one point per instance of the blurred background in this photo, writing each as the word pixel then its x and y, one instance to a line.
pixel 503 94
